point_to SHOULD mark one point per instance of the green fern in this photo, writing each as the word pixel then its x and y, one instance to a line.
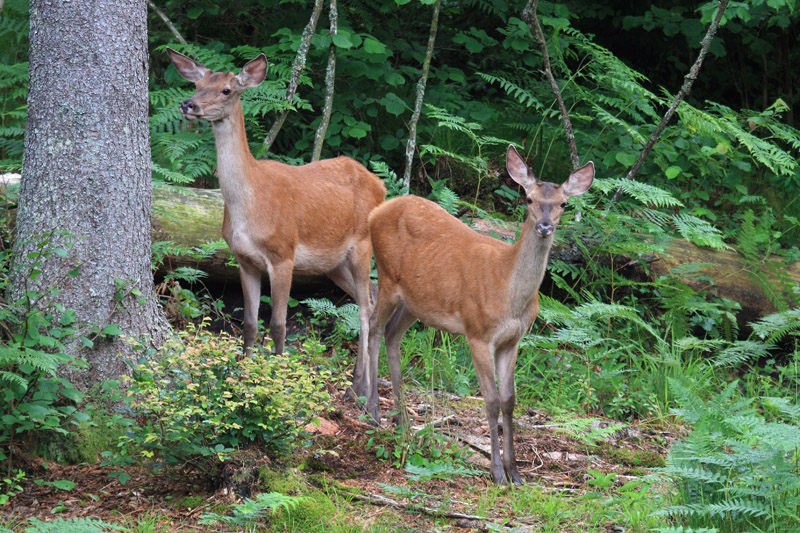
pixel 348 321
pixel 699 231
pixel 72 525
pixel 773 328
pixel 251 511
pixel 734 468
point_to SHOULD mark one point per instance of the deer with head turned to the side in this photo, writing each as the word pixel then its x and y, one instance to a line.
pixel 283 219
pixel 433 268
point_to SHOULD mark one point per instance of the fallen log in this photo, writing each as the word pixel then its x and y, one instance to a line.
pixel 190 218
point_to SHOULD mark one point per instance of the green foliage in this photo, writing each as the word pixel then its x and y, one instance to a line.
pixel 737 470
pixel 36 399
pixel 420 470
pixel 347 323
pixel 72 525
pixel 423 448
pixel 246 516
pixel 14 30
pixel 199 400
pixel 11 486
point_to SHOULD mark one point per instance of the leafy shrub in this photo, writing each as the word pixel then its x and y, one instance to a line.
pixel 200 400
pixel 35 399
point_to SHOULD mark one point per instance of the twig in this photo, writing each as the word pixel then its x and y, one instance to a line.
pixel 377 499
pixel 166 20
pixel 423 80
pixel 530 18
pixel 330 77
pixel 297 69
pixel 689 79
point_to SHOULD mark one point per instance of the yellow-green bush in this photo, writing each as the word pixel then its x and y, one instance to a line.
pixel 201 400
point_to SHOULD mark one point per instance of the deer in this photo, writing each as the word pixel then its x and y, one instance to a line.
pixel 283 219
pixel 435 269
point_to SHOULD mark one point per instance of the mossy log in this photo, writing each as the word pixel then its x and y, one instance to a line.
pixel 193 217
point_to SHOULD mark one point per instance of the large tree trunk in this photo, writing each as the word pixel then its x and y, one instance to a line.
pixel 87 171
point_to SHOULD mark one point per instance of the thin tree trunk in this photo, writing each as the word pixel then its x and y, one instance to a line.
pixel 168 22
pixel 531 19
pixel 682 94
pixel 86 175
pixel 297 70
pixel 330 77
pixel 423 80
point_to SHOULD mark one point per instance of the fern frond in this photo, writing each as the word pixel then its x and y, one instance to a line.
pixel 740 352
pixel 523 96
pixel 72 525
pixel 698 231
pixel 647 194
pixel 772 328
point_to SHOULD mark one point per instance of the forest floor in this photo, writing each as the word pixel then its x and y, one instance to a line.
pixel 371 491
pixel 362 491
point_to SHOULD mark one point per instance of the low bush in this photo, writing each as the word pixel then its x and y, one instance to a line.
pixel 201 400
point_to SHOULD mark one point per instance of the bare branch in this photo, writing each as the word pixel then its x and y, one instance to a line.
pixel 297 69
pixel 423 80
pixel 330 77
pixel 163 17
pixel 682 94
pixel 530 18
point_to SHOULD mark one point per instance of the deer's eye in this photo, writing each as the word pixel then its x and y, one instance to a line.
pixel 529 200
pixel 226 91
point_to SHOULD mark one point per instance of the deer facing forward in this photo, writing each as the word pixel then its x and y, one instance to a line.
pixel 433 268
pixel 282 219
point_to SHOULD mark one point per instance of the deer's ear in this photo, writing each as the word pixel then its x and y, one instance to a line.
pixel 518 169
pixel 188 68
pixel 580 180
pixel 254 72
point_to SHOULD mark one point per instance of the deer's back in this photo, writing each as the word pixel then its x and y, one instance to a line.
pixel 448 275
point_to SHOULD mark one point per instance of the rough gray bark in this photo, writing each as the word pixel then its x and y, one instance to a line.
pixel 330 77
pixel 686 88
pixel 297 69
pixel 531 19
pixel 423 80
pixel 86 170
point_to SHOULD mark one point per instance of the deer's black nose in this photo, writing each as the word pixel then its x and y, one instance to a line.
pixel 544 228
pixel 187 105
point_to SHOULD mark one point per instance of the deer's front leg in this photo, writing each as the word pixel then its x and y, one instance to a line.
pixel 280 279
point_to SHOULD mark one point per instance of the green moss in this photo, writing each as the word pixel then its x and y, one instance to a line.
pixel 286 481
pixel 626 457
pixel 315 513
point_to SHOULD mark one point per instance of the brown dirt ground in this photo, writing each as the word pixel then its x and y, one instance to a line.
pixel 546 457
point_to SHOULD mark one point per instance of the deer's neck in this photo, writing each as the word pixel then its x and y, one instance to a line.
pixel 234 160
pixel 529 257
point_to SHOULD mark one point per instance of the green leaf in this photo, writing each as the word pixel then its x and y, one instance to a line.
pixel 372 46
pixel 63 484
pixel 357 132
pixel 36 411
pixel 112 329
pixel 393 104
pixel 342 40
pixel 394 78
pixel 194 12
pixel 626 158
pixel 673 172
pixel 456 74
